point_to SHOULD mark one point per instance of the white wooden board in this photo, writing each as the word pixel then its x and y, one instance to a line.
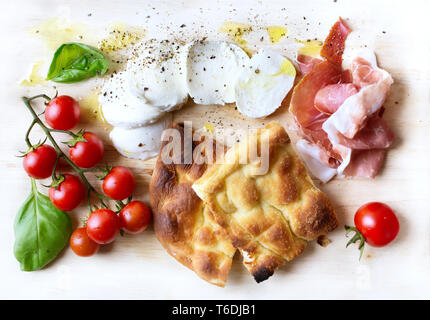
pixel 136 267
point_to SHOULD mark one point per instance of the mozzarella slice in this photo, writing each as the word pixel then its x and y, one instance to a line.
pixel 156 74
pixel 140 143
pixel 261 89
pixel 213 68
pixel 121 108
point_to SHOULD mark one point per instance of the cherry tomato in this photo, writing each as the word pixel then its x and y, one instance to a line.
pixel 135 217
pixel 87 154
pixel 40 162
pixel 81 244
pixel 62 113
pixel 377 223
pixel 103 226
pixel 119 183
pixel 69 194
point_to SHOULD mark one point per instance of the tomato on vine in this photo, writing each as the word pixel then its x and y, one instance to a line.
pixel 81 244
pixel 87 150
pixel 67 191
pixel 135 217
pixel 103 226
pixel 62 113
pixel 119 183
pixel 68 194
pixel 40 162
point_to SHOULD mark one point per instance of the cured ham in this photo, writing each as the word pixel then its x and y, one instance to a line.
pixel 338 112
pixel 366 163
pixel 331 97
pixel 302 101
pixel 307 63
pixel 375 135
pixel 365 72
pixel 355 110
pixel 318 136
pixel 320 74
pixel 350 126
pixel 315 159
pixel 334 44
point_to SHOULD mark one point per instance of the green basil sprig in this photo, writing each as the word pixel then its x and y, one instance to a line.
pixel 74 62
pixel 41 231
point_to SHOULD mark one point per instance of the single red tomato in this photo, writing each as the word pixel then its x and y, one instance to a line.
pixel 377 223
pixel 119 183
pixel 81 244
pixel 135 217
pixel 69 194
pixel 87 154
pixel 103 226
pixel 62 113
pixel 40 162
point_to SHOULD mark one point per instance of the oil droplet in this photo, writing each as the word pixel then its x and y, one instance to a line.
pixel 209 127
pixel 276 33
pixel 310 47
pixel 235 31
pixel 34 78
pixel 91 108
pixel 55 31
pixel 120 36
pixel 286 68
pixel 126 152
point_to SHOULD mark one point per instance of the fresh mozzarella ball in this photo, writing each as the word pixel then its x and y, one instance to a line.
pixel 156 74
pixel 213 68
pixel 262 87
pixel 140 143
pixel 121 108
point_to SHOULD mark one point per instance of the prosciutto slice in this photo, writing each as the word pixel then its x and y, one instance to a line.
pixel 319 75
pixel 375 135
pixel 315 159
pixel 331 97
pixel 353 113
pixel 365 163
pixel 334 44
pixel 339 113
pixel 318 136
pixel 365 72
pixel 307 63
pixel 302 101
pixel 351 125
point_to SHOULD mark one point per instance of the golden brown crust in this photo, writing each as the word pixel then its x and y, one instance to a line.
pixel 182 222
pixel 268 217
pixel 260 262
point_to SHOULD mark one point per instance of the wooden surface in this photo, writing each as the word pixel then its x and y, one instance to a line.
pixel 137 267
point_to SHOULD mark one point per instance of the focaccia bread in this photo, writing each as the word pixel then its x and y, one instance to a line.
pixel 269 217
pixel 181 220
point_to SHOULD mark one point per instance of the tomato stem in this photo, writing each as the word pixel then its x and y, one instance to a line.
pixel 357 237
pixel 70 133
pixel 27 135
pixel 120 204
pixel 93 170
pixel 89 200
pixel 54 176
pixel 38 96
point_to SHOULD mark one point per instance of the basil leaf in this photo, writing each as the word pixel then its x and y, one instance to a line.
pixel 74 62
pixel 41 231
